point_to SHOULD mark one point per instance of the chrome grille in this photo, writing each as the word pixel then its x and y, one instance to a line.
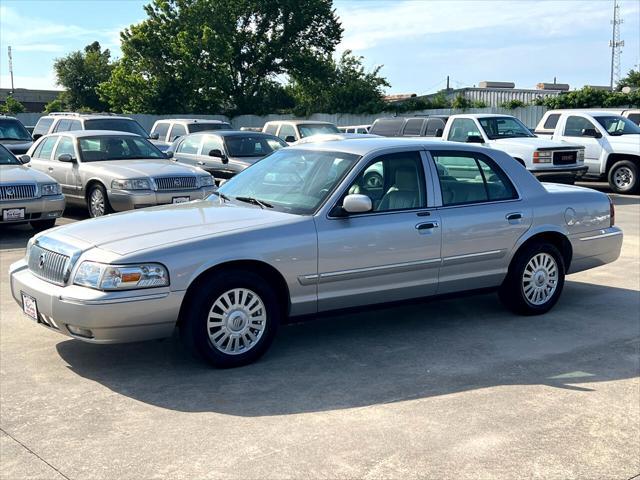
pixel 176 183
pixel 564 158
pixel 48 265
pixel 17 192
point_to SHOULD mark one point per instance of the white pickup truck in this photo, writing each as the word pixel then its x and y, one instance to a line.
pixel 611 141
pixel 546 159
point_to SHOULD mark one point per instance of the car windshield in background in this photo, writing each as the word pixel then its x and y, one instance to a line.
pixel 501 127
pixel 291 180
pixel 203 127
pixel 13 130
pixel 308 129
pixel 112 147
pixel 7 158
pixel 616 125
pixel 116 124
pixel 252 145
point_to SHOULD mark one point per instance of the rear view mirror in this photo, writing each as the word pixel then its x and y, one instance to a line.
pixel 357 203
pixel 591 132
pixel 24 159
pixel 475 139
pixel 290 139
pixel 65 157
pixel 36 136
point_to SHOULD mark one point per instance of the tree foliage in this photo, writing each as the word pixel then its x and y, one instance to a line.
pixel 12 106
pixel 513 104
pixel 208 56
pixel 632 80
pixel 80 73
pixel 588 97
pixel 58 104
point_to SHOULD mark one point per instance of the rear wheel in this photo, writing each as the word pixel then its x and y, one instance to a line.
pixel 535 280
pixel 623 177
pixel 98 202
pixel 232 320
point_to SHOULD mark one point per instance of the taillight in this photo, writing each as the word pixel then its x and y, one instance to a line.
pixel 612 212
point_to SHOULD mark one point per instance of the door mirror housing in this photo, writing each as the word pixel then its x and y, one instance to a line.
pixel 24 159
pixel 591 132
pixel 168 154
pixel 475 139
pixel 357 203
pixel 67 158
pixel 289 139
pixel 154 136
pixel 217 153
pixel 438 132
pixel 36 136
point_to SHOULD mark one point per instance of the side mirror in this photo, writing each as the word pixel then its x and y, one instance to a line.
pixel 65 157
pixel 439 132
pixel 475 139
pixel 357 203
pixel 36 136
pixel 168 154
pixel 154 136
pixel 24 159
pixel 591 132
pixel 289 139
pixel 217 153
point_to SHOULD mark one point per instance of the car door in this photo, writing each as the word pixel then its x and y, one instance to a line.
pixel 217 166
pixel 187 150
pixel 573 132
pixel 482 218
pixel 41 159
pixel 66 173
pixel 390 253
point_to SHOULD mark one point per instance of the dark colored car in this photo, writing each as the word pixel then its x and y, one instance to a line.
pixel 427 126
pixel 14 136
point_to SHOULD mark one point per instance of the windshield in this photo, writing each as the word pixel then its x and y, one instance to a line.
pixel 117 124
pixel 291 180
pixel 616 125
pixel 114 147
pixel 203 127
pixel 11 129
pixel 308 129
pixel 7 158
pixel 252 145
pixel 504 127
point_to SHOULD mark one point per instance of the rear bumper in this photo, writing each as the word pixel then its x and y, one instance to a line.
pixel 122 200
pixel 111 317
pixel 595 248
pixel 551 173
pixel 43 208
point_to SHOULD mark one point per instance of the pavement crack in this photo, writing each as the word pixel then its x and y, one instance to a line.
pixel 32 452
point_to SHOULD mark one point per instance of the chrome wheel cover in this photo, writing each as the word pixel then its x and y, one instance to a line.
pixel 236 321
pixel 96 203
pixel 540 279
pixel 623 177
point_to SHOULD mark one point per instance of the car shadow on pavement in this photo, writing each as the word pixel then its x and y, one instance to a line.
pixel 387 354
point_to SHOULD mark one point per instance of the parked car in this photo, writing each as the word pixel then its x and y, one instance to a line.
pixel 14 136
pixel 165 132
pixel 58 122
pixel 27 195
pixel 299 233
pixel 611 141
pixel 424 126
pixel 116 171
pixel 633 115
pixel 224 153
pixel 330 137
pixel 293 130
pixel 362 129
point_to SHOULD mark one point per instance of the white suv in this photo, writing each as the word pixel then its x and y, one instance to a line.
pixel 70 121
pixel 165 132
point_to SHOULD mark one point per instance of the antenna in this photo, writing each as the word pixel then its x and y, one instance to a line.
pixel 11 68
pixel 616 44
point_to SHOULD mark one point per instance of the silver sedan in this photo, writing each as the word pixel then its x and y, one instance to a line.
pixel 303 232
pixel 116 171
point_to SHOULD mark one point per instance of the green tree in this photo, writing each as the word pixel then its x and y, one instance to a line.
pixel 588 97
pixel 12 106
pixel 208 56
pixel 513 104
pixel 58 104
pixel 81 72
pixel 631 80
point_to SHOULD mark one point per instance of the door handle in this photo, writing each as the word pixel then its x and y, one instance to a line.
pixel 426 225
pixel 514 216
pixel 50 169
pixel 200 162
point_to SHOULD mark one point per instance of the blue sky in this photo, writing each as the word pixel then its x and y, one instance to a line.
pixel 418 42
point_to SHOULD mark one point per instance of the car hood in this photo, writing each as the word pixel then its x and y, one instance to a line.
pixel 143 168
pixel 17 147
pixel 129 232
pixel 534 143
pixel 22 174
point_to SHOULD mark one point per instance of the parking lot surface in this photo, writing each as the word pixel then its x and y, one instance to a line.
pixel 447 388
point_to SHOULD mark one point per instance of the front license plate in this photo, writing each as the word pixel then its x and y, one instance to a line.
pixel 180 199
pixel 12 214
pixel 29 306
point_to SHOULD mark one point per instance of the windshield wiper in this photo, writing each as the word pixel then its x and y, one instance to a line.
pixel 254 201
pixel 221 195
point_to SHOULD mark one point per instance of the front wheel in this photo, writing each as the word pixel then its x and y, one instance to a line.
pixel 98 202
pixel 623 177
pixel 232 320
pixel 535 280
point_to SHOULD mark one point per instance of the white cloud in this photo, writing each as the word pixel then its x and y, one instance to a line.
pixel 39 47
pixel 43 82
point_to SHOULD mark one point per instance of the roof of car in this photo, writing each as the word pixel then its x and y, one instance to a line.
pixel 298 122
pixel 191 120
pixel 230 133
pixel 481 115
pixel 86 116
pixel 92 133
pixel 594 112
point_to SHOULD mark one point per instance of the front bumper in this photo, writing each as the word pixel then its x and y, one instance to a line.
pixel 560 172
pixel 595 248
pixel 42 208
pixel 122 200
pixel 111 317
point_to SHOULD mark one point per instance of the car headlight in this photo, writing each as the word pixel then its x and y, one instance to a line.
pixel 50 189
pixel 205 181
pixel 542 156
pixel 132 184
pixel 121 277
pixel 581 155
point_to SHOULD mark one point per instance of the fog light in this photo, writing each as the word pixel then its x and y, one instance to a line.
pixel 54 214
pixel 80 332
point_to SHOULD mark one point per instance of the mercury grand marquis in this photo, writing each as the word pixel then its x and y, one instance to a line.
pixel 302 232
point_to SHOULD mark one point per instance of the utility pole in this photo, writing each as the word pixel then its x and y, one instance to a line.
pixel 11 69
pixel 616 44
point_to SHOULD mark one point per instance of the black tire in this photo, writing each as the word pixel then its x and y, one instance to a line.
pixel 42 225
pixel 512 291
pixel 94 210
pixel 623 177
pixel 196 333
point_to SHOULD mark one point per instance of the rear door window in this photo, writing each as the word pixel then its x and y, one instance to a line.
pixel 271 129
pixel 177 131
pixel 551 121
pixel 43 125
pixel 413 127
pixel 45 148
pixel 190 145
pixel 62 125
pixel 287 130
pixel 65 145
pixel 161 129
